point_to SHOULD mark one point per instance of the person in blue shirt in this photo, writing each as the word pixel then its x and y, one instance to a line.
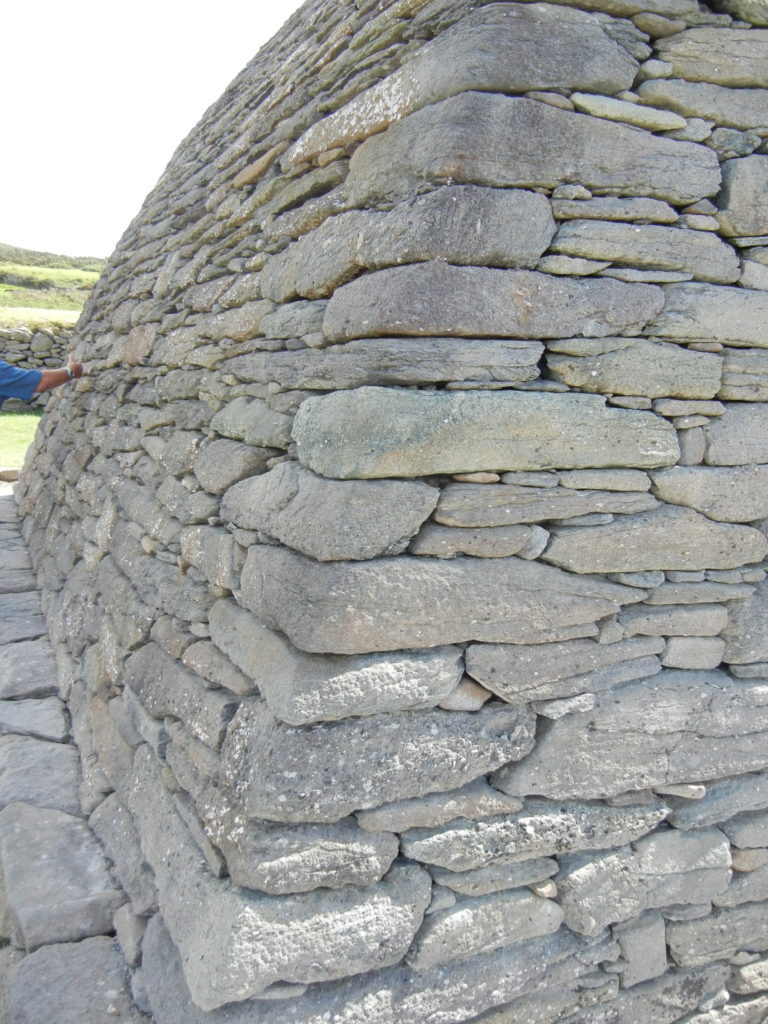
pixel 25 384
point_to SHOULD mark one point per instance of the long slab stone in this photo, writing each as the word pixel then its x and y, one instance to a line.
pixel 540 829
pixel 56 878
pixel 42 718
pixel 737 57
pixel 706 312
pixel 304 688
pixel 392 604
pixel 745 375
pixel 501 141
pixel 323 774
pixel 330 520
pixel 723 799
pixel 634 366
pixel 670 538
pixel 393 362
pixel 460 224
pixel 437 298
pixel 487 505
pixel 474 800
pixel 686 725
pixel 701 253
pixel 235 944
pixel 504 49
pixel 733 108
pixel 737 494
pixel 378 432
pixel 719 936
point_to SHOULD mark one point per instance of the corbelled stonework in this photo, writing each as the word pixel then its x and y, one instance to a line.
pixel 403 549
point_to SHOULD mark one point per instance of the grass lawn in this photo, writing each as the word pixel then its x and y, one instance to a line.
pixel 16 432
pixel 27 316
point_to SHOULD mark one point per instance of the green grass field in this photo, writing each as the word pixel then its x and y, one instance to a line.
pixel 42 289
pixel 16 432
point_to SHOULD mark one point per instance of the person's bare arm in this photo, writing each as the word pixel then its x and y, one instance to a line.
pixel 53 378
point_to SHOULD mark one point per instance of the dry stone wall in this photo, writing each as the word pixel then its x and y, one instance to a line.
pixel 404 550
pixel 37 349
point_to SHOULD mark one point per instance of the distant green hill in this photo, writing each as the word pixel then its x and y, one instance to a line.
pixel 42 288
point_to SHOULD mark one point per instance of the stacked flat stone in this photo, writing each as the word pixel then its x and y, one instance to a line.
pixel 404 554
pixel 34 349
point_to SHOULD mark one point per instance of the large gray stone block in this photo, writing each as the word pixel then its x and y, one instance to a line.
pixel 474 800
pixel 304 688
pixel 330 520
pixel 117 831
pixel 42 718
pixel 634 366
pixel 668 538
pixel 744 198
pixel 739 437
pixel 235 944
pixel 460 224
pixel 522 672
pixel 723 799
pixel 377 432
pixel 700 253
pixel 745 375
pixel 21 617
pixel 40 773
pixel 440 299
pixel 502 141
pixel 683 726
pixel 480 925
pixel 391 604
pixel 719 936
pixel 324 773
pixel 706 312
pixel 541 829
pixel 394 361
pixel 28 669
pixel 502 48
pixel 746 635
pixel 736 57
pixel 735 108
pixel 56 878
pixel 252 421
pixel 735 495
pixel 488 505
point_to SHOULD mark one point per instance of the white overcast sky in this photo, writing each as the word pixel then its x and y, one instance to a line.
pixel 95 98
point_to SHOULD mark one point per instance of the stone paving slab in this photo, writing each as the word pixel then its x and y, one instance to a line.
pixel 21 617
pixel 28 669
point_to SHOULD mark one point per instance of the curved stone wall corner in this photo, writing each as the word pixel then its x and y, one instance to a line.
pixel 404 549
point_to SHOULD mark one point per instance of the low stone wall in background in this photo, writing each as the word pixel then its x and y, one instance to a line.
pixel 37 349
pixel 404 551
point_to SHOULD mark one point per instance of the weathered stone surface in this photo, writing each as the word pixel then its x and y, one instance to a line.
pixel 440 299
pixel 700 253
pixel 21 617
pixel 738 437
pixel 278 860
pixel 643 947
pixel 211 549
pixel 72 983
pixel 738 57
pixel 475 800
pixel 42 718
pixel 749 978
pixel 737 495
pixel 628 113
pixel 498 49
pixel 330 520
pixel 394 361
pixel 703 312
pixel 303 688
pixel 374 432
pixel 719 936
pixel 206 660
pixel 737 108
pixel 498 140
pixel 323 774
pixel 666 868
pixel 668 538
pixel 116 829
pixel 460 224
pixel 391 604
pixel 609 479
pixel 223 462
pixel 693 652
pixel 520 672
pixel 748 829
pixel 692 620
pixel 478 505
pixel 482 924
pixel 164 687
pixel 56 879
pixel 682 726
pixel 27 669
pixel 743 202
pixel 496 876
pixel 746 635
pixel 541 829
pixel 481 542
pixel 40 773
pixel 252 421
pixel 723 799
pixel 633 366
pixel 608 208
pixel 234 944
pixel 745 887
